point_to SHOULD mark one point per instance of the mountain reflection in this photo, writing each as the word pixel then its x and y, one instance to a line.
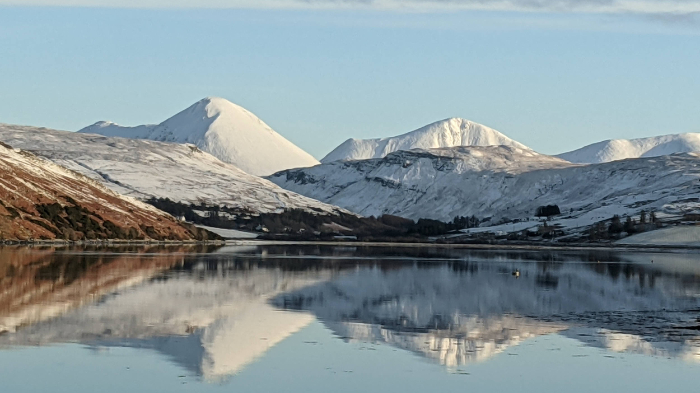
pixel 462 313
pixel 213 311
pixel 39 283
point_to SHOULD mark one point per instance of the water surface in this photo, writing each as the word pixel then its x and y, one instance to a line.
pixel 308 318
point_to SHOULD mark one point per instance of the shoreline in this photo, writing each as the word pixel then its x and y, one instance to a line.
pixel 110 242
pixel 519 247
pixel 464 246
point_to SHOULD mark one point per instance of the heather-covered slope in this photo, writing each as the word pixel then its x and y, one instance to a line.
pixel 41 200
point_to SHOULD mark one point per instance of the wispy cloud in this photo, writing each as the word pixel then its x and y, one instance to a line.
pixel 669 9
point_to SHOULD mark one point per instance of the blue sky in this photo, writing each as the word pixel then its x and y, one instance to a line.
pixel 554 77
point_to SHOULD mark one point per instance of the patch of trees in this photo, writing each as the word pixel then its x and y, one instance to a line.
pixel 301 224
pixel 461 222
pixel 615 227
pixel 691 217
pixel 74 222
pixel 549 231
pixel 547 211
pixel 647 221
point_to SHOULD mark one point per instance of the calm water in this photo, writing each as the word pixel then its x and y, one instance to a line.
pixel 332 319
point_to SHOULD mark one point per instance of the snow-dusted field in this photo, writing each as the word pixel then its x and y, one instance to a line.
pixel 230 233
pixel 683 235
pixel 144 169
pixel 223 129
pixel 502 183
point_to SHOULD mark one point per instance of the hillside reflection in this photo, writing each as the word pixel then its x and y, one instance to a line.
pixel 215 310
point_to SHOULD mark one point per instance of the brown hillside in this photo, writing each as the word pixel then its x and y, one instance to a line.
pixel 41 200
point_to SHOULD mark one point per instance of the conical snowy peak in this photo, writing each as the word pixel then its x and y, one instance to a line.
pixel 223 129
pixel 445 133
pixel 620 149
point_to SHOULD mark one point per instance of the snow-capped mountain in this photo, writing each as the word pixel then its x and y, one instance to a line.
pixel 145 169
pixel 445 133
pixel 41 200
pixel 620 149
pixel 501 183
pixel 223 129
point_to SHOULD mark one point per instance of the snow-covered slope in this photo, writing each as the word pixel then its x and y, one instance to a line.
pixel 223 129
pixel 445 133
pixel 144 169
pixel 501 183
pixel 620 149
pixel 41 200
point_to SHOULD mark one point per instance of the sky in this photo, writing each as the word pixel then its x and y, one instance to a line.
pixel 552 74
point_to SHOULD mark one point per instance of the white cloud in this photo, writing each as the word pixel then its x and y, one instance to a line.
pixel 653 7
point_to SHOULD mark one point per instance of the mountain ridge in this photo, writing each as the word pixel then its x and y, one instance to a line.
pixel 434 184
pixel 620 149
pixel 449 132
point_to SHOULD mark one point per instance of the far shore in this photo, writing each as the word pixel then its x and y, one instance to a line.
pixel 466 246
pixel 502 246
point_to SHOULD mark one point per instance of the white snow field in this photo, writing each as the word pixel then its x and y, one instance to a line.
pixel 144 169
pixel 230 233
pixel 445 133
pixel 683 235
pixel 223 129
pixel 500 182
pixel 620 149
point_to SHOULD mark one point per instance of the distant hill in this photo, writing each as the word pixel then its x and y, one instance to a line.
pixel 620 149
